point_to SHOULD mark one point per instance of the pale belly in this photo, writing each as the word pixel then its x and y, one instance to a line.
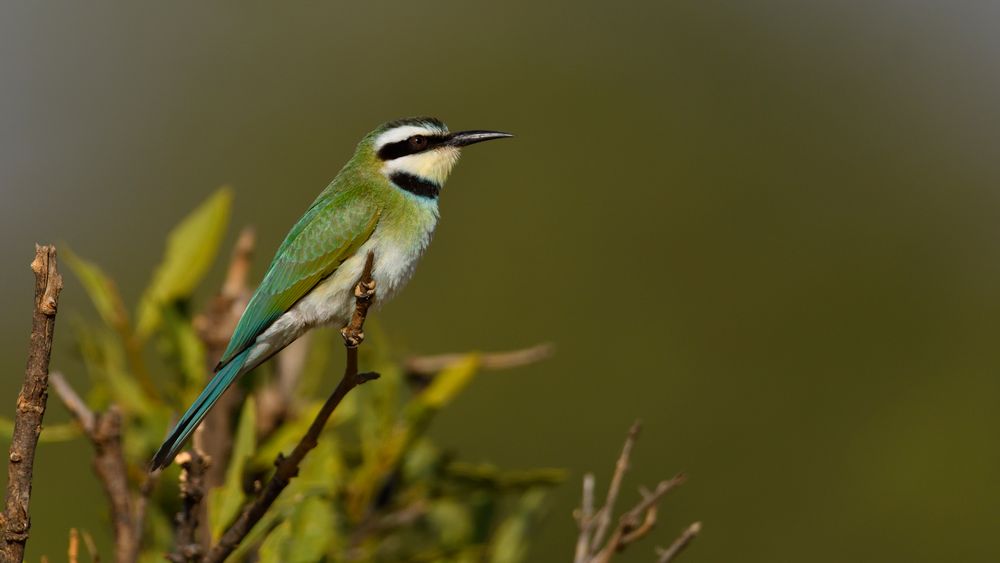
pixel 332 301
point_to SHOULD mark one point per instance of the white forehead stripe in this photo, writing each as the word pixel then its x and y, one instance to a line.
pixel 404 132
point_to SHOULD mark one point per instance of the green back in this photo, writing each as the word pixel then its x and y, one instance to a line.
pixel 340 220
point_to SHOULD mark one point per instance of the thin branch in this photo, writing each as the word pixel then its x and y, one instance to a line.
pixel 585 520
pixel 73 552
pixel 288 467
pixel 193 464
pixel 105 432
pixel 632 526
pixel 637 522
pixel 682 541
pixel 142 505
pixel 215 327
pixel 604 514
pixel 430 365
pixel 276 400
pixel 88 542
pixel 15 520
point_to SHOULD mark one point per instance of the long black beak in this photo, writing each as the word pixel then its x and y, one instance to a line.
pixel 463 138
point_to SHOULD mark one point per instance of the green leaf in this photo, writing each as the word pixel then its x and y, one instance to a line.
pixel 104 357
pixel 304 537
pixel 187 350
pixel 101 289
pixel 452 522
pixel 273 548
pixel 510 543
pixel 191 248
pixel 312 526
pixel 450 382
pixel 224 502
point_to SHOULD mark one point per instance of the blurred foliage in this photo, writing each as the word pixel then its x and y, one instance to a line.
pixel 376 488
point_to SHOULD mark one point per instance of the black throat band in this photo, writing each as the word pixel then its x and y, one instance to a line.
pixel 415 185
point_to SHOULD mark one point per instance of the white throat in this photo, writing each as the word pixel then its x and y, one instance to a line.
pixel 433 165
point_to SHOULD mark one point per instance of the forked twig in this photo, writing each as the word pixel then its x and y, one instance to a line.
pixel 633 525
pixel 682 541
pixel 105 433
pixel 194 465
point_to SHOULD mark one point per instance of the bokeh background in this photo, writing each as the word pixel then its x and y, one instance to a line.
pixel 768 229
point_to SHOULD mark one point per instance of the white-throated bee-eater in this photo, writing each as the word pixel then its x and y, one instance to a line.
pixel 384 201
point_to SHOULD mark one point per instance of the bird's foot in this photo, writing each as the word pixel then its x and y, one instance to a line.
pixel 352 338
pixel 365 289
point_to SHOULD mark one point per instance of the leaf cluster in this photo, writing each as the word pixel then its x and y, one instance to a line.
pixel 376 488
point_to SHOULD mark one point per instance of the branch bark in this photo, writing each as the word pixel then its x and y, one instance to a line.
pixel 287 468
pixel 105 432
pixel 15 521
pixel 193 464
pixel 682 541
pixel 215 327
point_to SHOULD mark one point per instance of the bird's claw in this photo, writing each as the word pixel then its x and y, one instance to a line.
pixel 364 289
pixel 352 338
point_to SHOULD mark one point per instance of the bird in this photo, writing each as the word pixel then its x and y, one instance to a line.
pixel 384 201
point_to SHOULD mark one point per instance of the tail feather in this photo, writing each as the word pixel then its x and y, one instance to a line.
pixel 194 415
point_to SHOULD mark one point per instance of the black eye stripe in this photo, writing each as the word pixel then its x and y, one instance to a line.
pixel 404 147
pixel 416 185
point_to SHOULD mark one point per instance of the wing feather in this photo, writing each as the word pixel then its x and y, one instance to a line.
pixel 329 233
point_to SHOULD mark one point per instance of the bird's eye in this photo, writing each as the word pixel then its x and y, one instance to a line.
pixel 417 142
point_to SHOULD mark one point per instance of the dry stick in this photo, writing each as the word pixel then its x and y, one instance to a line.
pixel 193 466
pixel 682 541
pixel 430 365
pixel 275 401
pixel 15 520
pixel 637 522
pixel 604 514
pixel 88 542
pixel 633 525
pixel 74 546
pixel 105 432
pixel 585 520
pixel 142 506
pixel 288 467
pixel 215 327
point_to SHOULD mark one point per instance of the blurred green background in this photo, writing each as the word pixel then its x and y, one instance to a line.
pixel 766 229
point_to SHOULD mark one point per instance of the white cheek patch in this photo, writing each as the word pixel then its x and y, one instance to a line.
pixel 433 165
pixel 402 133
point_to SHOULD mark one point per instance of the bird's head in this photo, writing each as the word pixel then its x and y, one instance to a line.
pixel 418 153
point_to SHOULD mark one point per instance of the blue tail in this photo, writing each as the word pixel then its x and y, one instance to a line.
pixel 197 411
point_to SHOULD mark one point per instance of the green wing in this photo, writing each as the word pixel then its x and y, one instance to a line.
pixel 329 233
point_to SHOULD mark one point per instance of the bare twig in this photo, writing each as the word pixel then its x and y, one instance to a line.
pixel 215 327
pixel 276 401
pixel 288 467
pixel 637 522
pixel 605 513
pixel 142 505
pixel 105 432
pixel 585 519
pixel 88 542
pixel 633 525
pixel 73 552
pixel 193 466
pixel 682 541
pixel 16 520
pixel 430 365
